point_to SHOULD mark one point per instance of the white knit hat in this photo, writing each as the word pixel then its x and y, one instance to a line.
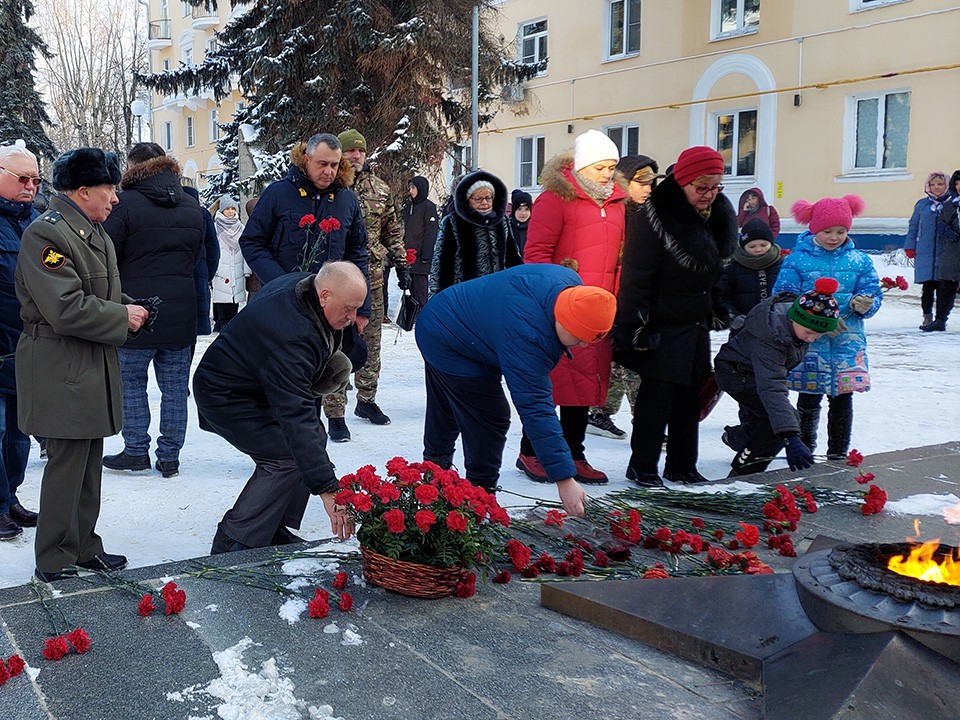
pixel 591 147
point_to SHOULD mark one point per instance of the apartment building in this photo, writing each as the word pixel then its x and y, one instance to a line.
pixel 187 126
pixel 804 98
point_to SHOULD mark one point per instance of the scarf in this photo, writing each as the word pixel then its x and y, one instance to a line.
pixel 595 191
pixel 936 203
pixel 228 231
pixel 757 262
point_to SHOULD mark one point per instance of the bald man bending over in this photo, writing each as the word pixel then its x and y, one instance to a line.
pixel 256 387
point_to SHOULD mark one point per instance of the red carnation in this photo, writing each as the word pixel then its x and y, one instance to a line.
pixel 307 220
pixel 174 599
pixel 388 492
pixel 454 495
pixel 55 648
pixel 502 577
pixel 15 665
pixel 854 458
pixel 531 571
pixel 601 559
pixel 696 543
pixel 655 573
pixel 518 553
pixel 146 605
pixel 346 601
pixel 750 535
pixel 456 522
pixel 865 478
pixel 340 581
pixel 411 256
pixel 554 517
pixel 395 520
pixel 362 502
pixel 875 499
pixel 698 523
pixel 662 534
pixel 546 563
pixel 4 673
pixel 319 607
pixel 329 225
pixel 426 494
pixel 79 639
pixel 425 519
pixel 467 585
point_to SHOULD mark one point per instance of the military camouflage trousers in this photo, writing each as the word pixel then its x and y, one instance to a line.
pixel 367 377
pixel 622 382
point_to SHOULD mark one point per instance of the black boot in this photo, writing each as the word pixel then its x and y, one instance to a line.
pixel 839 425
pixel 809 423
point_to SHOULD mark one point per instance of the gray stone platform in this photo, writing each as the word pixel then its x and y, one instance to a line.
pixel 498 655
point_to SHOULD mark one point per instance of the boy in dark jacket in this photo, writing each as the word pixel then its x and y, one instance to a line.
pixel 752 368
pixel 749 276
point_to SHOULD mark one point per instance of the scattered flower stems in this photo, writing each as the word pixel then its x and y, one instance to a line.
pixel 59 644
pixel 174 599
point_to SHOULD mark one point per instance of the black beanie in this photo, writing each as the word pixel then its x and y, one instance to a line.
pixel 519 197
pixel 755 229
pixel 630 164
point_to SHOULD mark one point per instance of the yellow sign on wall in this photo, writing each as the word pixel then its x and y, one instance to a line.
pixel 779 189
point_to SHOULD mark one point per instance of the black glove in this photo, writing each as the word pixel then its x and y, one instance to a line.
pixel 152 305
pixel 403 277
pixel 799 456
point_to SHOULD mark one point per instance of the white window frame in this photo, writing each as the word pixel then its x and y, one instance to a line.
pixel 186 54
pixel 850 136
pixel 713 130
pixel 164 10
pixel 190 131
pixel 167 135
pixel 867 5
pixel 608 54
pixel 535 38
pixel 211 46
pixel 214 125
pixel 537 158
pixel 186 8
pixel 715 15
pixel 625 128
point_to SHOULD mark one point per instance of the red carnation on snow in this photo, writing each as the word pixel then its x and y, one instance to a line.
pixel 319 607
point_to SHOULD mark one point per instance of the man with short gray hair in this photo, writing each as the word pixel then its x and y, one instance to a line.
pixel 19 182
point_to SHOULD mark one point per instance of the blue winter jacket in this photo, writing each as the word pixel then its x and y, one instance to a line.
pixel 833 365
pixel 14 218
pixel 934 232
pixel 504 324
pixel 273 241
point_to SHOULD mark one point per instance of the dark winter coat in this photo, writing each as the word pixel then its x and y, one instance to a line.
pixel 470 245
pixel 767 213
pixel 569 227
pixel 158 232
pixel 504 324
pixel 761 350
pixel 420 224
pixel 667 302
pixel 748 279
pixel 273 242
pixel 934 233
pixel 14 218
pixel 519 231
pixel 254 384
pixel 68 284
pixel 206 268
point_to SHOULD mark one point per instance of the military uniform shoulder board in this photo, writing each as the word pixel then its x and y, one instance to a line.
pixel 53 218
pixel 51 258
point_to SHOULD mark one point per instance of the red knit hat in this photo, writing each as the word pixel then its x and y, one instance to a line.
pixel 585 311
pixel 828 212
pixel 696 161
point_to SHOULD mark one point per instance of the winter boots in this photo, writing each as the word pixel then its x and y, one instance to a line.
pixel 372 412
pixel 337 430
pixel 809 422
pixel 927 320
pixel 601 424
pixel 839 425
pixel 935 326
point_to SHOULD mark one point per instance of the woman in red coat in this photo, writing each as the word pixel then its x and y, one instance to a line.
pixel 578 221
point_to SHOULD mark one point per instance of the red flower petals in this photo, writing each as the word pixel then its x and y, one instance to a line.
pixel 395 520
pixel 319 607
pixel 15 665
pixel 79 639
pixel 554 517
pixel 875 499
pixel 146 605
pixel 854 458
pixel 306 220
pixel 56 648
pixel 502 577
pixel 346 601
pixel 340 581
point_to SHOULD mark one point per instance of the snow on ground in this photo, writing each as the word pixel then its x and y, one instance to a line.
pixel 914 402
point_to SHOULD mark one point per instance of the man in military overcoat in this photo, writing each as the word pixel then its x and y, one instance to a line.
pixel 68 376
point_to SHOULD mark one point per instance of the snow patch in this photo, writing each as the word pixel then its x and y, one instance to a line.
pixel 351 636
pixel 32 672
pixel 191 624
pixel 737 487
pixel 212 607
pixel 307 566
pixel 331 629
pixel 923 504
pixel 292 609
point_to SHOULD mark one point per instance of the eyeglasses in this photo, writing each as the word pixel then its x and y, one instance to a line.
pixel 482 198
pixel 707 190
pixel 24 179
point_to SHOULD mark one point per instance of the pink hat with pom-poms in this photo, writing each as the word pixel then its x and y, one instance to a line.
pixel 828 212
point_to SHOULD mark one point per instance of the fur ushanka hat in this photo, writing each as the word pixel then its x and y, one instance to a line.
pixel 85 167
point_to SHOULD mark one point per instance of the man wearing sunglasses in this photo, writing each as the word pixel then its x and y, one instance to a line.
pixel 19 182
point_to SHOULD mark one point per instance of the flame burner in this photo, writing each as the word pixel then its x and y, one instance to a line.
pixel 850 590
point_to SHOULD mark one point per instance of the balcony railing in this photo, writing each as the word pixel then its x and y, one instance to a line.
pixel 203 18
pixel 159 30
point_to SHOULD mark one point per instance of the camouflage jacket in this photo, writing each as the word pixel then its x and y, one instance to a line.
pixel 382 219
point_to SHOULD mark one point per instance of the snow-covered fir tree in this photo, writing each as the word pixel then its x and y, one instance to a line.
pixel 396 70
pixel 22 112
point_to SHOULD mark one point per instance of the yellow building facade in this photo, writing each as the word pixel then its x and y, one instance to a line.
pixel 804 98
pixel 186 126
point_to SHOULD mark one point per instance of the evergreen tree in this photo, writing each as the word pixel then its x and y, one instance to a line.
pixel 22 112
pixel 384 67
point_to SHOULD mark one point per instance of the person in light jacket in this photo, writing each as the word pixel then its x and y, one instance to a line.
pixel 230 282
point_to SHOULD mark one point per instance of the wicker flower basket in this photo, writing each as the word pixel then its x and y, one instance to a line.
pixel 407 578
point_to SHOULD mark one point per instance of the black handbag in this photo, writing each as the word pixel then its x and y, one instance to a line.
pixel 409 309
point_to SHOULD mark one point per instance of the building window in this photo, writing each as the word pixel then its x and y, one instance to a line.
pixel 461 160
pixel 736 141
pixel 880 129
pixel 186 55
pixel 212 46
pixel 166 64
pixel 625 137
pixel 530 152
pixel 185 8
pixel 167 136
pixel 735 17
pixel 858 5
pixel 189 128
pixel 533 42
pixel 164 9
pixel 214 125
pixel 623 28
